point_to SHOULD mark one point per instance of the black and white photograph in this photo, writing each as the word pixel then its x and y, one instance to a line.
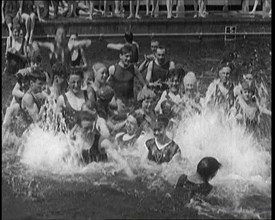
pixel 136 109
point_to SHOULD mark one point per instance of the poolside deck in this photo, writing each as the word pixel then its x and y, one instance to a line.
pixel 213 25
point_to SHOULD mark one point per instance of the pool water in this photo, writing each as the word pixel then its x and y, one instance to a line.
pixel 38 185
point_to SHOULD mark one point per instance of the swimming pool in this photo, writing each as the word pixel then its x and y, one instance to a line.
pixel 40 186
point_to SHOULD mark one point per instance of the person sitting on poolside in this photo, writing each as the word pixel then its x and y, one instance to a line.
pixel 161 149
pixel 197 184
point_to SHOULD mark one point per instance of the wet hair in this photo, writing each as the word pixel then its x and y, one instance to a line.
pixel 97 66
pixel 76 71
pixel 179 68
pixel 161 47
pixel 76 34
pixel 37 74
pixel 174 73
pixel 154 40
pixel 129 36
pixel 207 168
pixel 105 93
pixel 167 105
pixel 125 49
pixel 145 93
pixel 161 121
pixel 59 69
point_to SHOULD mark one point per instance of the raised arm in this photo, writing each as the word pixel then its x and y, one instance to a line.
pixel 47 45
pixel 2 10
pixel 16 92
pixel 113 46
pixel 79 44
pixel 85 65
pixel 149 71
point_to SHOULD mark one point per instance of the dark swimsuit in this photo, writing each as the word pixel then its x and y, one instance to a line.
pixel 186 189
pixel 77 61
pixel 163 155
pixel 24 120
pixel 71 115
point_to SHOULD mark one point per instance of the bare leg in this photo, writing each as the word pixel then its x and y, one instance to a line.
pixel 254 7
pixel 26 18
pixel 196 8
pixel 225 6
pixel 105 8
pixel 168 6
pixel 91 10
pixel 137 10
pixel 131 10
pixel 147 7
pixel 156 9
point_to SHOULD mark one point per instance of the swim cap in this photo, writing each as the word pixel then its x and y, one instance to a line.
pixel 245 85
pixel 207 167
pixel 190 77
pixel 225 69
pixel 98 66
pixel 105 93
pixel 146 93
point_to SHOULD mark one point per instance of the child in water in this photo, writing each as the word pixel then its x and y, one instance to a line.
pixel 161 148
pixel 197 183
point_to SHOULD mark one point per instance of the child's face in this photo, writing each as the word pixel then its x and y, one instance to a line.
pixel 159 132
pixel 146 104
pixel 75 82
pixel 247 94
pixel 131 125
pixel 174 84
pixel 248 78
pixel 102 75
pixel 189 88
pixel 224 75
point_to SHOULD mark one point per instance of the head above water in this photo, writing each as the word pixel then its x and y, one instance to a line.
pixel 60 34
pixel 128 36
pixel 105 94
pixel 59 72
pixel 161 54
pixel 207 168
pixel 154 45
pixel 224 74
pixel 100 72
